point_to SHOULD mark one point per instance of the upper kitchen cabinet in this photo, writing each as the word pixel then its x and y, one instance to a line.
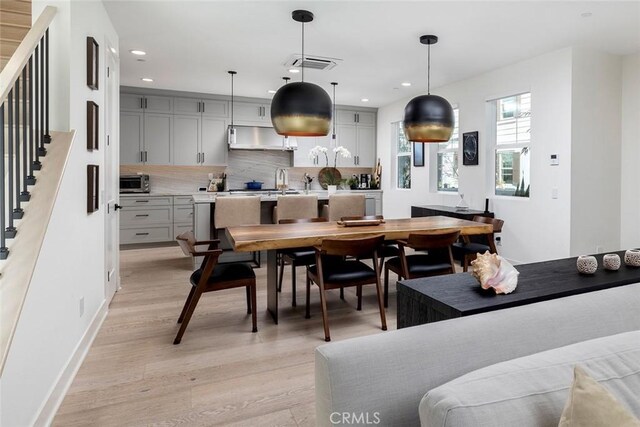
pixel 206 107
pixel 356 131
pixel 354 117
pixel 148 103
pixel 213 141
pixel 252 113
pixel 186 105
pixel 215 108
pixel 186 138
pixel 131 137
pixel 158 137
pixel 131 102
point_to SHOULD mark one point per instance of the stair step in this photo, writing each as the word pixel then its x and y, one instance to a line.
pixel 15 18
pixel 16 6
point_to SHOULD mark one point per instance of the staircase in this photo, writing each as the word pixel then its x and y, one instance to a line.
pixel 15 22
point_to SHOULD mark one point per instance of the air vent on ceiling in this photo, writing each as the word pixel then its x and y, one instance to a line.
pixel 312 62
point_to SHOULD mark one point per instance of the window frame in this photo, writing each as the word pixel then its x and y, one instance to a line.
pixel 442 149
pixel 398 129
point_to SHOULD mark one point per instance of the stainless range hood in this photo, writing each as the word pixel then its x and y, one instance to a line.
pixel 260 138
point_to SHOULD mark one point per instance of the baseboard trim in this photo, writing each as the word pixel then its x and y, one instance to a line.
pixel 60 388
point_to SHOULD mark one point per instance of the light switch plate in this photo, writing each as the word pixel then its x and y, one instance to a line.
pixel 555 160
pixel 554 193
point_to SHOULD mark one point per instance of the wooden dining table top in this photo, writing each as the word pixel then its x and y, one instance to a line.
pixel 248 238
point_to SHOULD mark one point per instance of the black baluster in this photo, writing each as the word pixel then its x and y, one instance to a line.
pixel 36 132
pixel 10 230
pixel 17 212
pixel 47 137
pixel 4 252
pixel 43 151
pixel 31 179
pixel 24 195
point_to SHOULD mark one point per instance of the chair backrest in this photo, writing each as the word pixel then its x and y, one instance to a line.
pixel 187 242
pixel 236 210
pixel 363 217
pixel 361 248
pixel 426 241
pixel 302 220
pixel 343 205
pixel 497 223
pixel 296 207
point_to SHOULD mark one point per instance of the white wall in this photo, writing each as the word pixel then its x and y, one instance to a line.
pixel 537 228
pixel 630 132
pixel 595 154
pixel 71 263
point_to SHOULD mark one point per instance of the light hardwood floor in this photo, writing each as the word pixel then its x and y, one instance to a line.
pixel 221 373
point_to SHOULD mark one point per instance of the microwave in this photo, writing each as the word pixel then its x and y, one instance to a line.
pixel 134 183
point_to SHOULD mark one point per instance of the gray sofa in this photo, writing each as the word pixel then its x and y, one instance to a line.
pixel 381 379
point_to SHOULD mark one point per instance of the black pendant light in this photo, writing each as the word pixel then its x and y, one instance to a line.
pixel 301 108
pixel 428 118
pixel 334 141
pixel 232 130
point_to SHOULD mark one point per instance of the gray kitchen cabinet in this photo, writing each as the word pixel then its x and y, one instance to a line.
pixel 346 117
pixel 158 104
pixel 186 105
pixel 356 131
pixel 131 137
pixel 366 146
pixel 158 136
pixel 213 141
pixel 131 102
pixel 206 107
pixel 186 139
pixel 305 145
pixel 251 113
pixel 146 219
pixel 347 137
pixel 214 108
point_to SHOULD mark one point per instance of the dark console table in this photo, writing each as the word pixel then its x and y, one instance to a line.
pixel 439 210
pixel 432 299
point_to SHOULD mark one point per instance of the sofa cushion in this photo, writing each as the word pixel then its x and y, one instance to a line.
pixel 532 390
pixel 590 404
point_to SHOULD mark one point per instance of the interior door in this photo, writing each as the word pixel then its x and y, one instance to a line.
pixel 111 178
pixel 186 137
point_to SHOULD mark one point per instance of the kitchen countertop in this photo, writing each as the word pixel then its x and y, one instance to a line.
pixel 205 197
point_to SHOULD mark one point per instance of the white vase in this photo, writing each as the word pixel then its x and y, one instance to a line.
pixel 611 262
pixel 587 264
pixel 332 189
pixel 632 257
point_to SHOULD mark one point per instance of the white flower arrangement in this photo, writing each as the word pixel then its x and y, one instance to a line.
pixel 338 151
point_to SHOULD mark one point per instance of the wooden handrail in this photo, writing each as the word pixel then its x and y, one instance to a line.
pixel 21 56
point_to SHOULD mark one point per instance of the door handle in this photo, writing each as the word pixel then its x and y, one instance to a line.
pixel 145 103
pixel 142 234
pixel 116 207
pixel 141 103
pixel 203 106
pixel 202 157
pixel 142 215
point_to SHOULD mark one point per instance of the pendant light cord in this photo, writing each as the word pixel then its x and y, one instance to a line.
pixel 232 101
pixel 429 69
pixel 334 110
pixel 302 52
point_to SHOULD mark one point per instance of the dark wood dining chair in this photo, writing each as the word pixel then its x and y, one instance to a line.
pixel 333 270
pixel 212 276
pixel 471 249
pixel 296 257
pixel 438 259
pixel 388 249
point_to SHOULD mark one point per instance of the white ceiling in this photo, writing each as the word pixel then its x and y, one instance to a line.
pixel 190 45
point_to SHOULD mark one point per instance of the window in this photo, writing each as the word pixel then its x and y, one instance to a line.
pixel 403 157
pixel 513 138
pixel 448 160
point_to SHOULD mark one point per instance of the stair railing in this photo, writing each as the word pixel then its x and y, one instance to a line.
pixel 24 121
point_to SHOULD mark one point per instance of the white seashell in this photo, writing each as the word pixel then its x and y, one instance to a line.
pixel 611 262
pixel 587 264
pixel 632 257
pixel 493 271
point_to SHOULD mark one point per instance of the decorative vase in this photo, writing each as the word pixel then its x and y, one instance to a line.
pixel 611 262
pixel 332 189
pixel 587 264
pixel 329 176
pixel 632 257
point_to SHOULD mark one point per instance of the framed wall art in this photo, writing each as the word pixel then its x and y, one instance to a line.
pixel 92 125
pixel 418 154
pixel 470 148
pixel 93 188
pixel 92 63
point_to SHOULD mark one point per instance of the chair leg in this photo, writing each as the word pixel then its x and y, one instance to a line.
pixel 186 304
pixel 281 264
pixel 293 285
pixel 325 315
pixel 383 317
pixel 254 308
pixel 386 286
pixel 465 265
pixel 307 314
pixel 248 300
pixel 342 294
pixel 187 316
pixel 359 295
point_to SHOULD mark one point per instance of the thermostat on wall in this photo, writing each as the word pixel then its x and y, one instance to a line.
pixel 555 160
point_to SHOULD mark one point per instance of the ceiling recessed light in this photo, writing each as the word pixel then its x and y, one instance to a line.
pixel 406 84
pixel 138 52
pixel 294 70
pixel 586 14
pixel 271 91
pixel 146 79
pixel 365 100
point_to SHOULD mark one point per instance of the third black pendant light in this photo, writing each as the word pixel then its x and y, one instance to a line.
pixel 428 118
pixel 301 108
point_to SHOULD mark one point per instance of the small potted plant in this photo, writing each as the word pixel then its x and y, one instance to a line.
pixel 329 176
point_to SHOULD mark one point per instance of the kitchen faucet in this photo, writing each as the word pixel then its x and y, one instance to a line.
pixel 282 180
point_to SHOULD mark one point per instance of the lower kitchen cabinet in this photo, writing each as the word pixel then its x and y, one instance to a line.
pixel 153 219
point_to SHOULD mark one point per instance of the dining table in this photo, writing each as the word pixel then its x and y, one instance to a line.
pixel 272 237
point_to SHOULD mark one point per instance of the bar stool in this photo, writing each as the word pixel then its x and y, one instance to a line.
pixel 295 207
pixel 344 205
pixel 231 211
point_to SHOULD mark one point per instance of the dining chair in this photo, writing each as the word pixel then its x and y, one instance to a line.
pixel 333 270
pixel 343 205
pixel 438 259
pixel 471 249
pixel 297 206
pixel 296 257
pixel 388 249
pixel 212 276
pixel 231 211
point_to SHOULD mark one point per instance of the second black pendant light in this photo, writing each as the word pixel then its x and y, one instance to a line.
pixel 301 108
pixel 428 118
